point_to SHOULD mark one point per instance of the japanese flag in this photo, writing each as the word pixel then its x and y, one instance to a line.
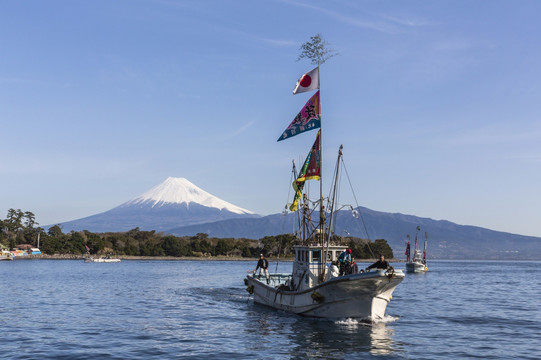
pixel 307 82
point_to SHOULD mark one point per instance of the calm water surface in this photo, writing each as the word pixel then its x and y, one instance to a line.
pixel 200 309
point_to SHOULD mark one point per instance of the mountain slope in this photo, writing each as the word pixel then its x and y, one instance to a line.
pixel 446 240
pixel 181 191
pixel 175 202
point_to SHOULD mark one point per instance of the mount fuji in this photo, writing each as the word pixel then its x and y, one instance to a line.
pixel 173 203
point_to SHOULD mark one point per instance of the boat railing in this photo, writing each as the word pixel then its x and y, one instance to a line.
pixel 275 279
pixel 280 279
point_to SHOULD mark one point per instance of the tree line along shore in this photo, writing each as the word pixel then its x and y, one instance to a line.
pixel 20 228
pixel 180 258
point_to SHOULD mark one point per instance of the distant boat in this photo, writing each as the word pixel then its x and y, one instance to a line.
pixel 102 259
pixel 6 255
pixel 418 263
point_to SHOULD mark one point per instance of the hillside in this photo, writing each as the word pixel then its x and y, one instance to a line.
pixel 446 240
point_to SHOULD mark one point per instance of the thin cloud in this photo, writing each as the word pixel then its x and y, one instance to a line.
pixel 406 20
pixel 279 43
pixel 490 136
pixel 14 81
pixel 526 158
pixel 381 26
pixel 176 4
pixel 238 131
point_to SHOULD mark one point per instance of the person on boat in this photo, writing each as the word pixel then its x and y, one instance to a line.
pixel 380 264
pixel 333 270
pixel 354 267
pixel 263 266
pixel 345 261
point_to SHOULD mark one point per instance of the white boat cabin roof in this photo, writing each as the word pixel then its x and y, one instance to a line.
pixel 312 253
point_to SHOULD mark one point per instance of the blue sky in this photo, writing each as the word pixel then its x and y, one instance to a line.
pixel 436 104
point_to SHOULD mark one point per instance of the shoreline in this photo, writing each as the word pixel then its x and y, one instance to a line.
pixel 171 258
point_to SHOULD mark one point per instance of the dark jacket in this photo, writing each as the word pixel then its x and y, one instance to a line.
pixel 262 263
pixel 379 265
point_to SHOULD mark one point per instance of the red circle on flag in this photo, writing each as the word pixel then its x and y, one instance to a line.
pixel 306 80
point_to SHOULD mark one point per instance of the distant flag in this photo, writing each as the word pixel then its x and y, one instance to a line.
pixel 307 119
pixel 311 170
pixel 407 253
pixel 307 82
pixel 87 248
pixel 424 251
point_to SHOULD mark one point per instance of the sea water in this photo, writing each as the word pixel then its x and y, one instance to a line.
pixel 68 309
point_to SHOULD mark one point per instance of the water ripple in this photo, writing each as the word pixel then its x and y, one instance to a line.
pixel 164 310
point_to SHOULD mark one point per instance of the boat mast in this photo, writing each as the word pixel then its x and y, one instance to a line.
pixel 322 233
pixel 317 51
pixel 321 207
pixel 335 189
pixel 416 244
pixel 424 252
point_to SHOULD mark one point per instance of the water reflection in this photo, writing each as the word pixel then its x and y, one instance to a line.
pixel 382 338
pixel 323 339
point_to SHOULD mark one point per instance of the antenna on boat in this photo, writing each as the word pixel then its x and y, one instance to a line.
pixel 293 177
pixel 333 200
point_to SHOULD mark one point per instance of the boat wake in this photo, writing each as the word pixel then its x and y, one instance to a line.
pixel 216 294
pixel 354 323
pixel 388 319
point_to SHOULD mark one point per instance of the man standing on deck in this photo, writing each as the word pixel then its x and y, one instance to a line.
pixel 380 264
pixel 345 261
pixel 262 265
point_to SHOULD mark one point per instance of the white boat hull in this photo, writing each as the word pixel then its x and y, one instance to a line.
pixel 416 267
pixel 7 256
pixel 100 260
pixel 362 296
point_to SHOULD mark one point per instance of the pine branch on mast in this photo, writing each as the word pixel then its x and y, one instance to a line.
pixel 316 50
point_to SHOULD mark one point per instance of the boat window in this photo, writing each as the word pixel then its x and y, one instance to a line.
pixel 299 255
pixel 303 255
pixel 316 255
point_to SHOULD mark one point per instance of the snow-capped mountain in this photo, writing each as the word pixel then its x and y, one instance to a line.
pixel 173 203
pixel 181 191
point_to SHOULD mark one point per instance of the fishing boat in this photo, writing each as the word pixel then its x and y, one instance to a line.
pixel 417 264
pixel 6 255
pixel 314 288
pixel 102 259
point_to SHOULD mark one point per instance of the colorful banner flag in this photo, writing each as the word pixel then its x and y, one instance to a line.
pixel 308 118
pixel 307 82
pixel 407 253
pixel 311 170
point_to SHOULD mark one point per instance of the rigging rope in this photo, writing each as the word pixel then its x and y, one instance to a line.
pixel 291 179
pixel 358 208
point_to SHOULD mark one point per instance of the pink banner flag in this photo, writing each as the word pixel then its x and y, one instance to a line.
pixel 307 119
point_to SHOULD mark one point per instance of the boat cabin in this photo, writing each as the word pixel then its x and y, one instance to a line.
pixel 309 264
